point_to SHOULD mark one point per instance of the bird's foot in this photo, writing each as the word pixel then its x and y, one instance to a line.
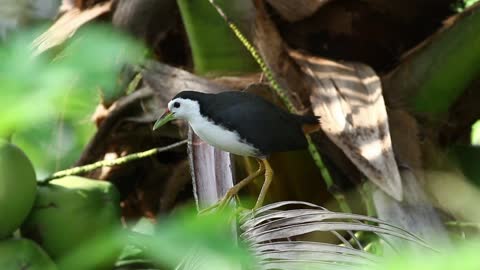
pixel 232 192
pixel 220 205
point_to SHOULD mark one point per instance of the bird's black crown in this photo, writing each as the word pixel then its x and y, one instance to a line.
pixel 193 95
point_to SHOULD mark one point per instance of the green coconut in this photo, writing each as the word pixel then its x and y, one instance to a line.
pixel 69 212
pixel 17 187
pixel 20 254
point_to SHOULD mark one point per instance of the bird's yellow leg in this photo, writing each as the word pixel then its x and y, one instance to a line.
pixel 233 191
pixel 266 184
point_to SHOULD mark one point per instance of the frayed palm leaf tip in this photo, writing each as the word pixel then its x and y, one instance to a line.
pixel 276 237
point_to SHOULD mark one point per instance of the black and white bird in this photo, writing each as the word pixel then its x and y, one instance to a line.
pixel 241 123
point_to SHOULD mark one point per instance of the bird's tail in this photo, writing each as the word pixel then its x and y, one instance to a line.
pixel 310 123
pixel 308 119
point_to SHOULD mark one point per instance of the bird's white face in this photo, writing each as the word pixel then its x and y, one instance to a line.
pixel 179 108
pixel 185 109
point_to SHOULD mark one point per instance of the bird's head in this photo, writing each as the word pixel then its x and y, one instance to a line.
pixel 180 107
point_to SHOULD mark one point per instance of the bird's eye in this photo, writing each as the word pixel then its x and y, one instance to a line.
pixel 176 105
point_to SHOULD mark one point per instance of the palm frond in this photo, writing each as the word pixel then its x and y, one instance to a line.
pixel 274 235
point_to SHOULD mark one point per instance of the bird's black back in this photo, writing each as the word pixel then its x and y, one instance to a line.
pixel 259 122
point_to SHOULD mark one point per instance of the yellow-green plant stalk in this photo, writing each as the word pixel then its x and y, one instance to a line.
pixel 110 163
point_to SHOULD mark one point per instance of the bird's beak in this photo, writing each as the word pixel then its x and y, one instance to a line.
pixel 166 117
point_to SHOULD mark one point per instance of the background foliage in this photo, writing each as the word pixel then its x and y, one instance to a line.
pixel 46 104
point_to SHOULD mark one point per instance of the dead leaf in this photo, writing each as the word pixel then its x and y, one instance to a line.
pixel 272 50
pixel 415 213
pixel 67 25
pixel 348 98
pixel 148 20
pixel 211 171
pixel 296 10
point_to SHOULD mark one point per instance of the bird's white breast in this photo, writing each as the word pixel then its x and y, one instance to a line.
pixel 220 137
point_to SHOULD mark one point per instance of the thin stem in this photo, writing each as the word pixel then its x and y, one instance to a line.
pixel 317 158
pixel 267 71
pixel 463 224
pixel 366 190
pixel 110 163
pixel 132 86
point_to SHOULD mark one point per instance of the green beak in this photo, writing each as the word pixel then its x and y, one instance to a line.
pixel 165 118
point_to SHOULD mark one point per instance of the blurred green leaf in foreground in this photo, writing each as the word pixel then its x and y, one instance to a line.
pixel 177 238
pixel 463 257
pixel 461 5
pixel 205 240
pixel 475 135
pixel 46 101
